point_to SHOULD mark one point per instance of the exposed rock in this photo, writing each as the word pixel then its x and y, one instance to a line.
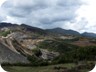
pixel 48 55
pixel 8 56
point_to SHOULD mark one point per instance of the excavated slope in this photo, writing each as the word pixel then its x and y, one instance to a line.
pixel 8 56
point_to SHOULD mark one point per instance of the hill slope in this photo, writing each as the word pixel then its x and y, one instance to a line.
pixel 8 56
pixel 63 31
pixel 23 43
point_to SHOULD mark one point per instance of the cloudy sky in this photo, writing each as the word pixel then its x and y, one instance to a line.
pixel 78 15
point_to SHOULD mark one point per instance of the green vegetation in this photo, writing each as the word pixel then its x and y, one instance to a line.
pixel 37 61
pixel 69 67
pixel 37 52
pixel 71 40
pixel 69 54
pixel 35 69
pixel 4 33
pixel 76 55
pixel 84 53
pixel 56 46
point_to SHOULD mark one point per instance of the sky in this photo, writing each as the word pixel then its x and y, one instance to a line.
pixel 77 15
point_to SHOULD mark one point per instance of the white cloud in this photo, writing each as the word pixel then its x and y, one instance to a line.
pixel 88 11
pixel 2 15
pixel 68 14
pixel 41 13
pixel 2 1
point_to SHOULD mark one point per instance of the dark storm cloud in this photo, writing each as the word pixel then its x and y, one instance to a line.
pixel 56 19
pixel 21 9
pixel 42 12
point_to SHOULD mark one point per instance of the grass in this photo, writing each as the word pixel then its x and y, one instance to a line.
pixel 39 69
pixel 35 69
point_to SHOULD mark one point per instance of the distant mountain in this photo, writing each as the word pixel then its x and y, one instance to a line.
pixel 22 27
pixel 86 34
pixel 4 24
pixel 56 31
pixel 34 29
pixel 63 31
pixel 27 44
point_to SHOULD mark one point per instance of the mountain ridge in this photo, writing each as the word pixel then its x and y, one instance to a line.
pixel 89 34
pixel 57 30
pixel 63 31
pixel 38 46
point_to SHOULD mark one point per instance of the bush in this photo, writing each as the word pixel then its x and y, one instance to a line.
pixel 5 33
pixel 56 46
pixel 37 61
pixel 37 52
pixel 76 55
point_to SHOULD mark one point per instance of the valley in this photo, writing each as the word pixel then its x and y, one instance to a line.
pixel 23 46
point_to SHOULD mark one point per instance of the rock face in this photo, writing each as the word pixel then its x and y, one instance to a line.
pixel 16 46
pixel 48 55
pixel 8 56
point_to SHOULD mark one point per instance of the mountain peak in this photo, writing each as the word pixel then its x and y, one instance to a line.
pixel 87 34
